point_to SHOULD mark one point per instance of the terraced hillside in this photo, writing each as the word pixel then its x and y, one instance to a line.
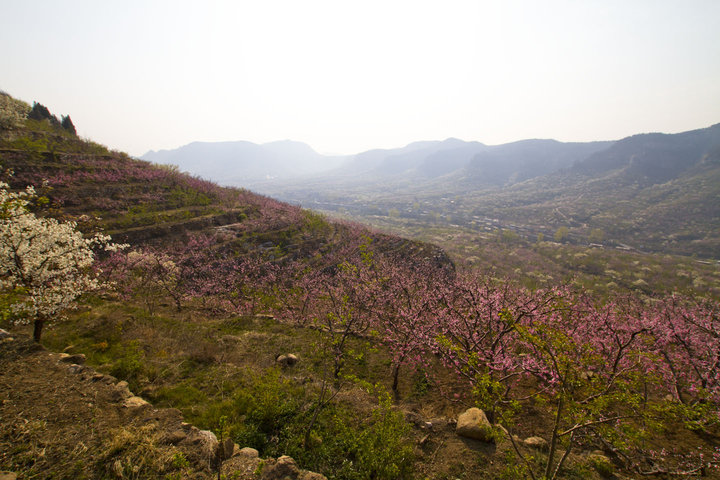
pixel 362 355
pixel 137 202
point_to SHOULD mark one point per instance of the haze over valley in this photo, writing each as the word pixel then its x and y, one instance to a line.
pixel 651 192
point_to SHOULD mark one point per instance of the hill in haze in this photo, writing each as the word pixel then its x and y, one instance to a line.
pixel 654 191
pixel 259 166
pixel 240 163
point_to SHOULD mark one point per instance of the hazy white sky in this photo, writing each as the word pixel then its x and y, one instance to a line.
pixel 349 76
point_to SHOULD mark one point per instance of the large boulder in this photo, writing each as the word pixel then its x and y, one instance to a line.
pixel 287 360
pixel 473 423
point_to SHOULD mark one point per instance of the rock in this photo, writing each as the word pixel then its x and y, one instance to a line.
pixel 228 448
pixel 8 475
pixel 241 467
pixel 135 402
pixel 74 368
pixel 536 442
pixel 311 476
pixel 246 464
pixel 246 452
pixel 473 423
pixel 441 423
pixel 287 360
pixel 175 437
pixel 77 358
pixel 122 391
pixel 281 469
pixel 207 441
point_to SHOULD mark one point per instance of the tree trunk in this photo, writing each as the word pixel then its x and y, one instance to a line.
pixel 37 330
pixel 396 374
pixel 554 438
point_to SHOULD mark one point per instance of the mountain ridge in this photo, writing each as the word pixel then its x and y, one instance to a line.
pixel 654 192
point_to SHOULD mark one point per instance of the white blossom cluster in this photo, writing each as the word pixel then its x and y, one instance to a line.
pixel 12 111
pixel 45 261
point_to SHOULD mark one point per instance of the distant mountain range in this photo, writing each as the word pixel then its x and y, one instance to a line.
pixel 237 163
pixel 651 191
pixel 248 164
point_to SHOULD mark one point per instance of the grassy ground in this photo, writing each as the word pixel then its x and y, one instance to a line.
pixel 220 372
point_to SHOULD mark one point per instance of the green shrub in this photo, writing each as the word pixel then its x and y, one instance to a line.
pixel 180 396
pixel 602 465
pixel 130 363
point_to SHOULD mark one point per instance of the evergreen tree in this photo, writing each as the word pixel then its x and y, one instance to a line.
pixel 67 124
pixel 41 112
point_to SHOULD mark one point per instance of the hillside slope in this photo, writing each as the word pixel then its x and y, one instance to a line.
pixel 142 203
pixel 62 419
pixel 356 353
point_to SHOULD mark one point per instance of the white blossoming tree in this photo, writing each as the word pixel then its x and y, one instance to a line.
pixel 13 112
pixel 46 263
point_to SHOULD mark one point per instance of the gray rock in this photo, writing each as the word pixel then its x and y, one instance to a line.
pixel 536 442
pixel 473 423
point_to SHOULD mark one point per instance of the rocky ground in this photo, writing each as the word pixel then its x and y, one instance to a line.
pixel 62 419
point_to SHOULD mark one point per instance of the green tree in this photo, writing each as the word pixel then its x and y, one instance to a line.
pixel 40 112
pixel 67 124
pixel 596 235
pixel 561 234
